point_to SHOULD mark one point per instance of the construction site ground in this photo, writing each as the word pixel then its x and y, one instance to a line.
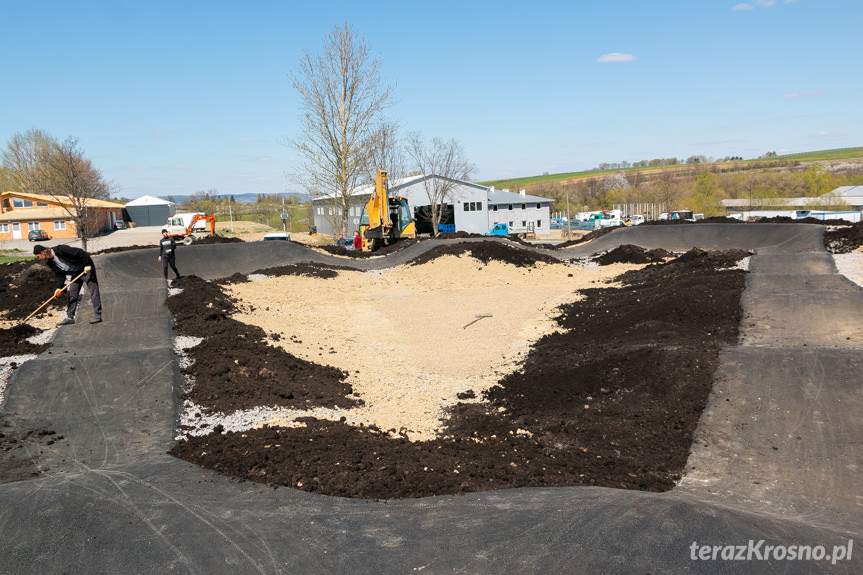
pixel 457 405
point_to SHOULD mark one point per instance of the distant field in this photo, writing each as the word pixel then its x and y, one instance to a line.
pixel 823 155
pixel 838 154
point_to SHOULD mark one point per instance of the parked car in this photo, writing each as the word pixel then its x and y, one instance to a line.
pixel 38 235
pixel 121 225
pixel 277 236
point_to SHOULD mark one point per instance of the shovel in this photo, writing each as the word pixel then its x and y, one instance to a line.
pixel 64 288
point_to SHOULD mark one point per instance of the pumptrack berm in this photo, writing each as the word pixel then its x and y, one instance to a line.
pixel 776 460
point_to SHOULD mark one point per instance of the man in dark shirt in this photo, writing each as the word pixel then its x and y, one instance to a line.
pixel 66 261
pixel 168 253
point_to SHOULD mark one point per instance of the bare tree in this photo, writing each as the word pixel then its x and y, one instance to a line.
pixel 444 159
pixel 35 162
pixel 73 181
pixel 22 160
pixel 342 99
pixel 668 191
pixel 387 154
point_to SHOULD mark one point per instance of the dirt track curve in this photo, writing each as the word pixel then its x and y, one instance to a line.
pixel 777 454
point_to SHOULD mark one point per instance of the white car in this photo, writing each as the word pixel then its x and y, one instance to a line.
pixel 277 236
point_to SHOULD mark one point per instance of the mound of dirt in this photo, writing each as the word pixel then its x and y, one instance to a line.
pixel 13 341
pixel 217 239
pixel 611 399
pixel 124 249
pixel 235 368
pixel 25 286
pixel 844 239
pixel 630 254
pixel 485 252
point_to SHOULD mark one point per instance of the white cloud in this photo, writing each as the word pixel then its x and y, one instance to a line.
pixel 759 3
pixel 616 57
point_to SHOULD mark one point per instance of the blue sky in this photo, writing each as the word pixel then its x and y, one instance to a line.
pixel 175 97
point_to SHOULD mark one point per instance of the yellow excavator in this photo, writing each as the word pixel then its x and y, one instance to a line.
pixel 385 219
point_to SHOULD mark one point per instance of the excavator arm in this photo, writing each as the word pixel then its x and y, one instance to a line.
pixel 385 219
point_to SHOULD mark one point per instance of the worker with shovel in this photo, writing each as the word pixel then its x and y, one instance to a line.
pixel 76 263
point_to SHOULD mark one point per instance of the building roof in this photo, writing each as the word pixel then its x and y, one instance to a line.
pixel 367 189
pixel 847 192
pixel 148 201
pixel 504 197
pixel 91 202
pixel 494 196
pixel 30 214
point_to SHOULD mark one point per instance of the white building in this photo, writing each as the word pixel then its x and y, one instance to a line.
pixel 470 208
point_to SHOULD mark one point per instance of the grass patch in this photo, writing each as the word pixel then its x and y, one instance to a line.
pixel 6 258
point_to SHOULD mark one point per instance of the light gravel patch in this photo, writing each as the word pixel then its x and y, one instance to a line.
pixel 851 266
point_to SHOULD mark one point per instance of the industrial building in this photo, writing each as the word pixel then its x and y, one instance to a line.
pixel 468 207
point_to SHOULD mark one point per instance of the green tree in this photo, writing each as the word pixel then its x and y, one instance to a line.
pixel 706 194
pixel 818 181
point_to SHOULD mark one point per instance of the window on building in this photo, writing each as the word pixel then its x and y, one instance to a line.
pixel 494 209
pixel 523 224
pixel 467 206
pixel 510 224
pixel 538 224
pixel 60 225
pixel 32 226
pixel 537 206
pixel 4 228
pixel 524 206
pixel 21 203
pixel 510 206
pixel 41 204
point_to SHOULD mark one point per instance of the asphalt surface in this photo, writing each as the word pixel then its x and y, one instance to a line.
pixel 777 456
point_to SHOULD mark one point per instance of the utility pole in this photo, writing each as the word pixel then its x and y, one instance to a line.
pixel 568 221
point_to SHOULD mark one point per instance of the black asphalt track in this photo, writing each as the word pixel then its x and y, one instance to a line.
pixel 777 460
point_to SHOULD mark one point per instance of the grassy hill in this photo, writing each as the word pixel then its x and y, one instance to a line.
pixel 837 155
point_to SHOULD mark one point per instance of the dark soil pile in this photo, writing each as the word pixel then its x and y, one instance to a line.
pixel 630 254
pixel 485 252
pixel 360 254
pixel 612 400
pixel 844 239
pixel 13 341
pixel 126 249
pixel 235 368
pixel 217 239
pixel 24 287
